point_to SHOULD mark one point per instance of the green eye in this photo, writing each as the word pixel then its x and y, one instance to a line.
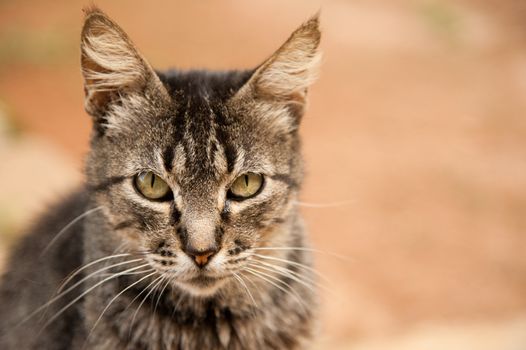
pixel 152 186
pixel 246 186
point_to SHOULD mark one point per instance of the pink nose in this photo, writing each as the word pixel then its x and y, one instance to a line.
pixel 201 257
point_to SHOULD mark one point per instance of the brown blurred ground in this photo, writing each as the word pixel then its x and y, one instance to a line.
pixel 417 125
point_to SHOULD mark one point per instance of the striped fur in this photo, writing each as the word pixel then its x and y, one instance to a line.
pixel 198 131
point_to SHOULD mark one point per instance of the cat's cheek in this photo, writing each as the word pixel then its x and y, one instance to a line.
pixel 216 265
pixel 131 239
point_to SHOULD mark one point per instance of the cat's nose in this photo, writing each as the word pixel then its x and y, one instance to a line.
pixel 201 257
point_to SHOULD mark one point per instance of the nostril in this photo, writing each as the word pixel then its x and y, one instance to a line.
pixel 201 257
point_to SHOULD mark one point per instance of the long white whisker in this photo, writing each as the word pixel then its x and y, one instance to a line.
pixel 160 279
pixel 179 301
pixel 284 273
pixel 290 291
pixel 99 271
pixel 305 249
pixel 323 205
pixel 80 269
pixel 70 224
pixel 303 266
pixel 112 300
pixel 127 274
pixel 158 299
pixel 57 297
pixel 304 280
pixel 61 311
pixel 307 278
pixel 76 271
pixel 240 280
pixel 160 294
pixel 142 291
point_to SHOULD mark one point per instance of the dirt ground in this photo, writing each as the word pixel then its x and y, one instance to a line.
pixel 415 142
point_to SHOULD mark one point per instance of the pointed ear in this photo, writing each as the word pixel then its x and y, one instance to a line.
pixel 111 65
pixel 288 73
pixel 283 79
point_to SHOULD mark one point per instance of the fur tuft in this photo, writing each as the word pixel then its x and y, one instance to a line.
pixel 91 9
pixel 111 65
pixel 279 86
pixel 294 66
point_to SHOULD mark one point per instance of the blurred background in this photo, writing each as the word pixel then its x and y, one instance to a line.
pixel 415 141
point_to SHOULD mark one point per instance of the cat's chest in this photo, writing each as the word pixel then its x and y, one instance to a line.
pixel 153 326
pixel 116 318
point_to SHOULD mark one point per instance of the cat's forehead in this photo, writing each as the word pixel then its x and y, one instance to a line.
pixel 201 139
pixel 202 131
pixel 204 85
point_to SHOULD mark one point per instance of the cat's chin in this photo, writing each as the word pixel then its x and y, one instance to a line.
pixel 201 286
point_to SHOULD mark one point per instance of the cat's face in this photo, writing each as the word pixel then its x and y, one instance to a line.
pixel 195 170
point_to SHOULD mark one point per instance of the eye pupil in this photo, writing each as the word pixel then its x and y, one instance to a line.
pixel 152 186
pixel 245 186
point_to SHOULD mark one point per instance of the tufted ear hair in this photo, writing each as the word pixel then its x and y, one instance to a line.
pixel 112 67
pixel 284 78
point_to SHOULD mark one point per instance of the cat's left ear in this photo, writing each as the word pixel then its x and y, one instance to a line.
pixel 112 67
pixel 284 78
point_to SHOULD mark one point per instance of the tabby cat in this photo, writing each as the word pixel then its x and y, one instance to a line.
pixel 187 233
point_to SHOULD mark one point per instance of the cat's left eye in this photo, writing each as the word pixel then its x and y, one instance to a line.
pixel 152 186
pixel 246 186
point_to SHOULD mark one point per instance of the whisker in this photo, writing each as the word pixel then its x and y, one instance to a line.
pixel 70 224
pixel 80 269
pixel 290 291
pixel 238 278
pixel 305 249
pixel 100 270
pixel 73 273
pixel 304 280
pixel 61 311
pixel 179 301
pixel 57 297
pixel 128 274
pixel 295 263
pixel 112 300
pixel 323 205
pixel 140 293
pixel 289 274
pixel 168 280
pixel 158 299
pixel 285 269
pixel 143 252
pixel 160 279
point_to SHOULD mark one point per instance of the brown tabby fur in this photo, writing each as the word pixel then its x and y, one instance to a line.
pixel 198 131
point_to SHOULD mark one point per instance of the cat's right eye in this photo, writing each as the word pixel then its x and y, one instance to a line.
pixel 152 186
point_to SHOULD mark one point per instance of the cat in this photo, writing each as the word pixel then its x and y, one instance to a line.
pixel 186 234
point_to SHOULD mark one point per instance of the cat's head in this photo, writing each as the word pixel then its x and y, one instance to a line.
pixel 195 169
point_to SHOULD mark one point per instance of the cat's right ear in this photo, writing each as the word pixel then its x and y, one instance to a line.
pixel 112 67
pixel 279 85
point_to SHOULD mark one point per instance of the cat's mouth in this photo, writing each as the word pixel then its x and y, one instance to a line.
pixel 203 280
pixel 202 284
